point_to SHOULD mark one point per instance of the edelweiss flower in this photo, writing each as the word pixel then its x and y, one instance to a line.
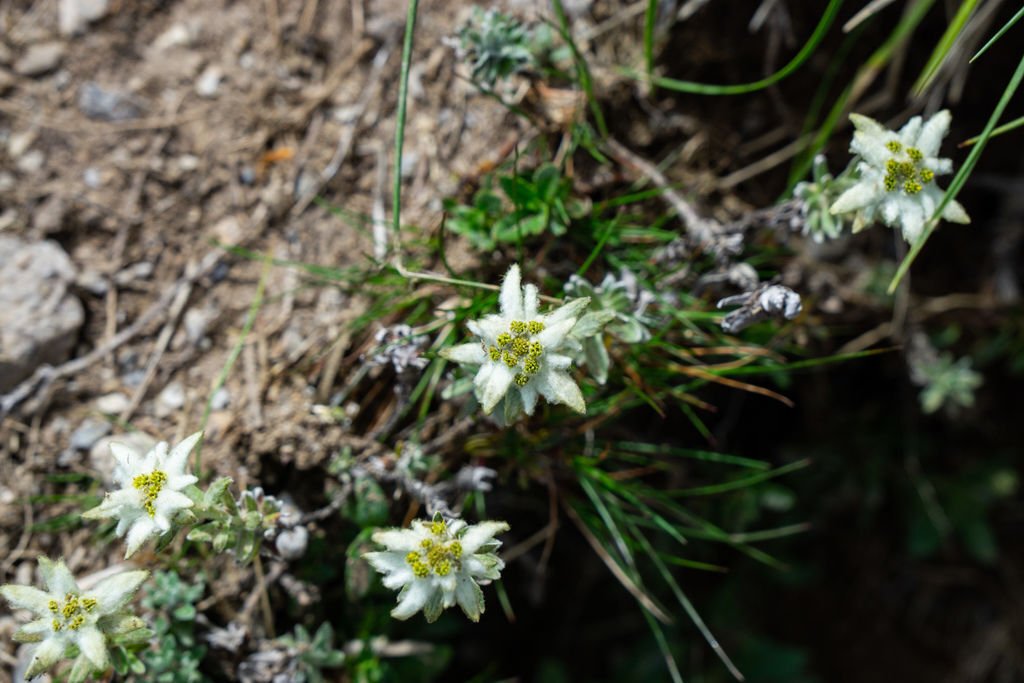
pixel 522 349
pixel 150 494
pixel 437 564
pixel 67 615
pixel 897 175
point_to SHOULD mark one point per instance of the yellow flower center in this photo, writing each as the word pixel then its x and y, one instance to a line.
pixel 438 555
pixel 150 486
pixel 904 170
pixel 519 350
pixel 70 613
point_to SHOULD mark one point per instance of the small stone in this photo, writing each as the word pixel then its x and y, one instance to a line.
pixel 31 162
pixel 228 231
pixel 6 56
pixel 48 217
pixel 177 35
pixel 103 104
pixel 19 143
pixel 208 82
pixel 170 400
pixel 39 316
pixel 196 321
pixel 92 282
pixel 188 162
pixel 92 178
pixel 7 181
pixel 88 433
pixel 6 81
pixel 112 404
pixel 74 15
pixel 40 58
pixel 221 399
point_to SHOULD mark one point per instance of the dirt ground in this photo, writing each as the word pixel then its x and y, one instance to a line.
pixel 225 120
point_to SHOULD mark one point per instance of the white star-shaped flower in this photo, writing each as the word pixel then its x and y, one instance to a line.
pixel 150 494
pixel 897 175
pixel 438 564
pixel 523 350
pixel 67 615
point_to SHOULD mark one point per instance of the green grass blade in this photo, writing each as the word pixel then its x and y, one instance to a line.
pixel 943 47
pixel 225 372
pixel 1005 128
pixel 666 651
pixel 960 179
pixel 999 34
pixel 685 603
pixel 827 18
pixel 696 454
pixel 650 15
pixel 403 96
pixel 714 489
pixel 583 71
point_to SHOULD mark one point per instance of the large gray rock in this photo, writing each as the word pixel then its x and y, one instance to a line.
pixel 39 316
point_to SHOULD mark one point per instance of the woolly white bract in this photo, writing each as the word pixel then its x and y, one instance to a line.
pixel 897 175
pixel 522 353
pixel 150 494
pixel 438 564
pixel 66 616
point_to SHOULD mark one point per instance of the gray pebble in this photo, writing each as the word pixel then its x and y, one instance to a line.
pixel 88 433
pixel 40 58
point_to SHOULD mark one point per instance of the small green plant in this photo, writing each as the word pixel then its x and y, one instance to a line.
pixel 495 45
pixel 311 653
pixel 177 655
pixel 536 203
pixel 946 382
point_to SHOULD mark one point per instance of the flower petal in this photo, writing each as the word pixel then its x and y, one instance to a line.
pixel 140 531
pixel 488 328
pixel 558 387
pixel 397 540
pixel 57 577
pixel 511 297
pixel 170 501
pixel 494 388
pixel 478 534
pixel 910 132
pixel 466 354
pixel 412 599
pixel 529 396
pixel 91 643
pixel 955 213
pixel 45 656
pixel 115 592
pixel 857 197
pixel 33 631
pixel 570 310
pixel 127 457
pixel 178 458
pixel 930 137
pixel 531 301
pixel 26 597
pixel 386 561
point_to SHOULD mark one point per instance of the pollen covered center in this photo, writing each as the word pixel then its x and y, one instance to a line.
pixel 150 486
pixel 70 613
pixel 905 170
pixel 438 555
pixel 518 349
